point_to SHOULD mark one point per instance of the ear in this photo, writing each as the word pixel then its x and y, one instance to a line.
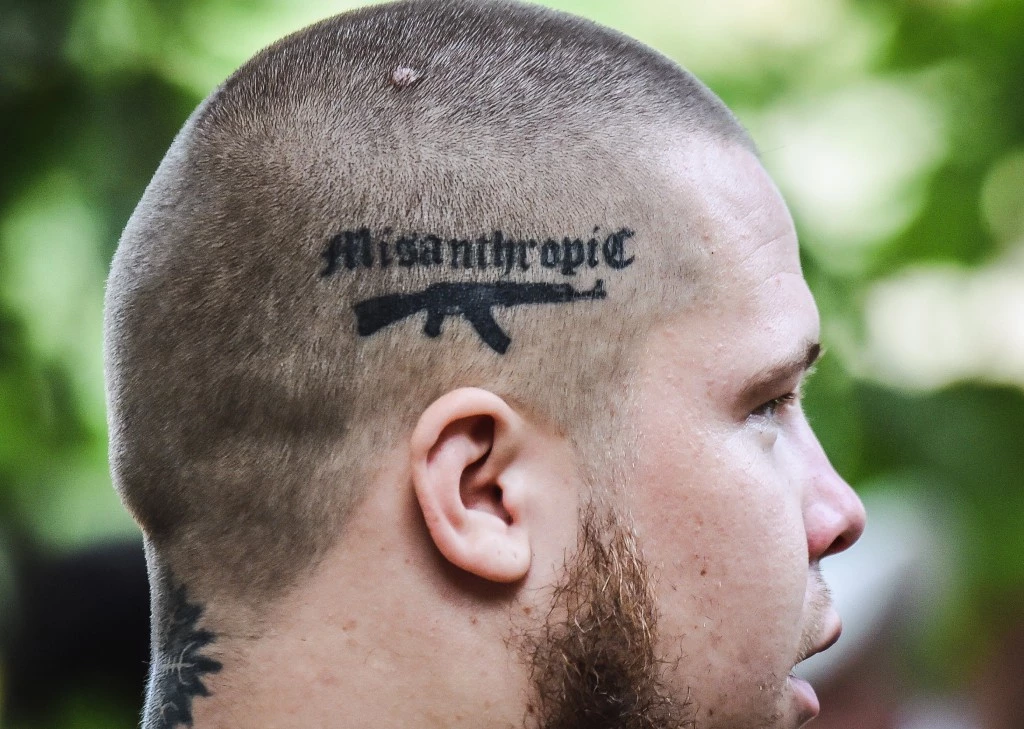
pixel 465 450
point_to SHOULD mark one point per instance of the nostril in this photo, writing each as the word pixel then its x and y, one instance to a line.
pixel 833 527
pixel 846 538
pixel 839 544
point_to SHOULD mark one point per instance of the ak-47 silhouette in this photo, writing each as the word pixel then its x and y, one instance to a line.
pixel 471 300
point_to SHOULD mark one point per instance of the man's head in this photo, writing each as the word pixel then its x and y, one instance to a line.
pixel 475 327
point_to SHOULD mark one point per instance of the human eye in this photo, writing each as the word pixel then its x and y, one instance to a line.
pixel 768 396
pixel 775 408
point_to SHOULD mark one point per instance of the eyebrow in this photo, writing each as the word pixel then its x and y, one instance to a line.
pixel 764 383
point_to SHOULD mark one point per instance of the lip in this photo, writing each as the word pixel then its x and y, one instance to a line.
pixel 807 701
pixel 829 641
pixel 832 636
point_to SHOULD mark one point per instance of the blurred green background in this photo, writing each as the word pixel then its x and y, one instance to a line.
pixel 894 128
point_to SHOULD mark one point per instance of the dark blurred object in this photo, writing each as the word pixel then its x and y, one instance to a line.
pixel 82 622
pixel 999 686
pixel 866 695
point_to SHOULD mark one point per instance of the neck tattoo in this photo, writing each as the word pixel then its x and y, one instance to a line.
pixel 179 664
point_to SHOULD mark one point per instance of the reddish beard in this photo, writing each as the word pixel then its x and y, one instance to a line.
pixel 593 664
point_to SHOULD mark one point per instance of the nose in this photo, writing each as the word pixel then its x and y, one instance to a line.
pixel 834 515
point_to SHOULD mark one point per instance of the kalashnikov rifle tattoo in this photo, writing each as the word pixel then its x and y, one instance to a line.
pixel 473 301
pixel 178 675
pixel 360 250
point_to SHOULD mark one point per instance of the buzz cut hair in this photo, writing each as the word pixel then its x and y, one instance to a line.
pixel 384 206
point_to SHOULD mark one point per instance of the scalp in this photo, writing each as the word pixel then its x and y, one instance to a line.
pixel 246 405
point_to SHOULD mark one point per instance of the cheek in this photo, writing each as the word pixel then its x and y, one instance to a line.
pixel 724 533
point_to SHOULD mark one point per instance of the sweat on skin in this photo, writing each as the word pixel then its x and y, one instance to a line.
pixel 454 356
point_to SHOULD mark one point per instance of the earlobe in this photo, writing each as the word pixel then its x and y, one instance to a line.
pixel 464 452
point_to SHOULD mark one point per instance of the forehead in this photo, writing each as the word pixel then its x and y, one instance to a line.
pixel 754 306
pixel 738 213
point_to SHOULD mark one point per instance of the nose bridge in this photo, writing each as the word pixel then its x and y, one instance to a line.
pixel 834 515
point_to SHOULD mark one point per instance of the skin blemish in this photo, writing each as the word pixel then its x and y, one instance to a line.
pixel 404 77
pixel 327 678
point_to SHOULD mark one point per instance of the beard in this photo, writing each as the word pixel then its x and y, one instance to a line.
pixel 593 663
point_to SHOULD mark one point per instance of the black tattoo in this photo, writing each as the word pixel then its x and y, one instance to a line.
pixel 473 301
pixel 180 664
pixel 361 249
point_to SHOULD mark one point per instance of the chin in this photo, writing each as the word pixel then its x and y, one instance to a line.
pixel 785 706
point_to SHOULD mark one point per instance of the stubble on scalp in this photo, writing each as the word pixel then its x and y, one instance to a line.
pixel 265 319
pixel 594 663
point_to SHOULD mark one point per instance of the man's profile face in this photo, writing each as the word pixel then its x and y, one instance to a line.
pixel 734 501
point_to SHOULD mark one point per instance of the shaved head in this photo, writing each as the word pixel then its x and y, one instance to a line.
pixel 381 207
pixel 454 360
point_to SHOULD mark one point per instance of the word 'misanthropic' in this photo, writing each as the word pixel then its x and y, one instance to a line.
pixel 361 249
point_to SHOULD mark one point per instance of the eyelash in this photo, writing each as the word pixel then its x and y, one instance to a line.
pixel 770 409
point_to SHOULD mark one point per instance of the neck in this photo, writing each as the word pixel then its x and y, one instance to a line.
pixel 181 665
pixel 349 647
